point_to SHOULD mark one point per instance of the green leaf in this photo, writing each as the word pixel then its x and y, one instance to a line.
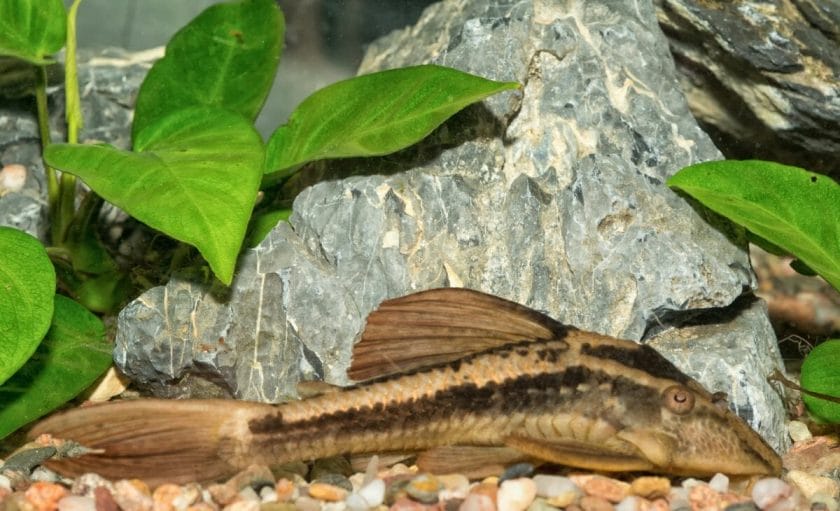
pixel 32 29
pixel 195 178
pixel 226 57
pixel 374 114
pixel 73 355
pixel 262 224
pixel 796 210
pixel 820 374
pixel 27 286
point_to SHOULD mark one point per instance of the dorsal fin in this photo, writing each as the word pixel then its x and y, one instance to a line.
pixel 442 325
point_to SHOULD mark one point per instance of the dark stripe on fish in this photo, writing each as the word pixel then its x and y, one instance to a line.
pixel 640 357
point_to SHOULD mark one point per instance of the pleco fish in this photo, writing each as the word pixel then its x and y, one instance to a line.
pixel 467 381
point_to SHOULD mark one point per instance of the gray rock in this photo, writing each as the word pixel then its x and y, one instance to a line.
pixel 761 75
pixel 109 82
pixel 553 197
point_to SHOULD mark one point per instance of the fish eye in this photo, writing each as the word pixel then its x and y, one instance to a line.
pixel 678 399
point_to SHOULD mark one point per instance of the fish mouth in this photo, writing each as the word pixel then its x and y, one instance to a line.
pixel 728 454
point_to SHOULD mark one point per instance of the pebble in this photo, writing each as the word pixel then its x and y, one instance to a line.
pixel 87 483
pixel 516 494
pixel 477 502
pixel 810 484
pixel 373 493
pixel 650 487
pixel 328 492
pixel 243 505
pixel 45 496
pixel 594 503
pixel 773 494
pixel 133 495
pixel 424 488
pixel 285 490
pixel 822 502
pixel 798 431
pixel 12 178
pixel 104 499
pixel 719 483
pixel 335 480
pixel 5 483
pixel 77 503
pixel 164 497
pixel 516 471
pixel 609 489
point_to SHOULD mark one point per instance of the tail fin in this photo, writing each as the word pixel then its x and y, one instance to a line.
pixel 154 440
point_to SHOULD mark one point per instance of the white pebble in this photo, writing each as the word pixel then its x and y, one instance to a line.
pixel 5 483
pixel 553 486
pixel 477 502
pixel 267 494
pixel 248 493
pixel 828 501
pixel 774 494
pixel 356 502
pixel 630 503
pixel 76 503
pixel 516 494
pixel 243 505
pixel 12 178
pixel 373 492
pixel 307 504
pixel 798 431
pixel 719 483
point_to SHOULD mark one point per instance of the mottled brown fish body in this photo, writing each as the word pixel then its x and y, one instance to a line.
pixel 502 382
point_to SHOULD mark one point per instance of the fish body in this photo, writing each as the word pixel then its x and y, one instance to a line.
pixel 503 383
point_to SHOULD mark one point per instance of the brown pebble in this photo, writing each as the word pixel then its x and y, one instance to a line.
pixel 254 476
pixel 327 492
pixel 164 495
pixel 104 500
pixel 223 494
pixel 490 489
pixel 593 503
pixel 44 496
pixel 611 490
pixel 243 505
pixel 406 504
pixel 285 490
pixel 133 495
pixel 650 487
pixel 202 506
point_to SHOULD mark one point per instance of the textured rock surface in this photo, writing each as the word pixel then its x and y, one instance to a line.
pixel 762 75
pixel 553 197
pixel 109 82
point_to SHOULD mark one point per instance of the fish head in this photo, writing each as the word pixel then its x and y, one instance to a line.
pixel 695 433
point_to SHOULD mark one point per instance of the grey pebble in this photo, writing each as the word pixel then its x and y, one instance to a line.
pixel 25 461
pixel 742 506
pixel 424 488
pixel 335 480
pixel 335 465
pixel 516 471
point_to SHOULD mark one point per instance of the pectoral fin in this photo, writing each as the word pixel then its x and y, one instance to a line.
pixel 475 462
pixel 578 454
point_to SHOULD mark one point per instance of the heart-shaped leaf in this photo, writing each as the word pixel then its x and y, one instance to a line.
pixel 194 177
pixel 27 287
pixel 71 357
pixel 821 373
pixel 796 210
pixel 32 29
pixel 226 57
pixel 374 114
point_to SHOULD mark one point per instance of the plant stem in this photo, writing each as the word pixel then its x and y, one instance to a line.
pixel 73 116
pixel 46 140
